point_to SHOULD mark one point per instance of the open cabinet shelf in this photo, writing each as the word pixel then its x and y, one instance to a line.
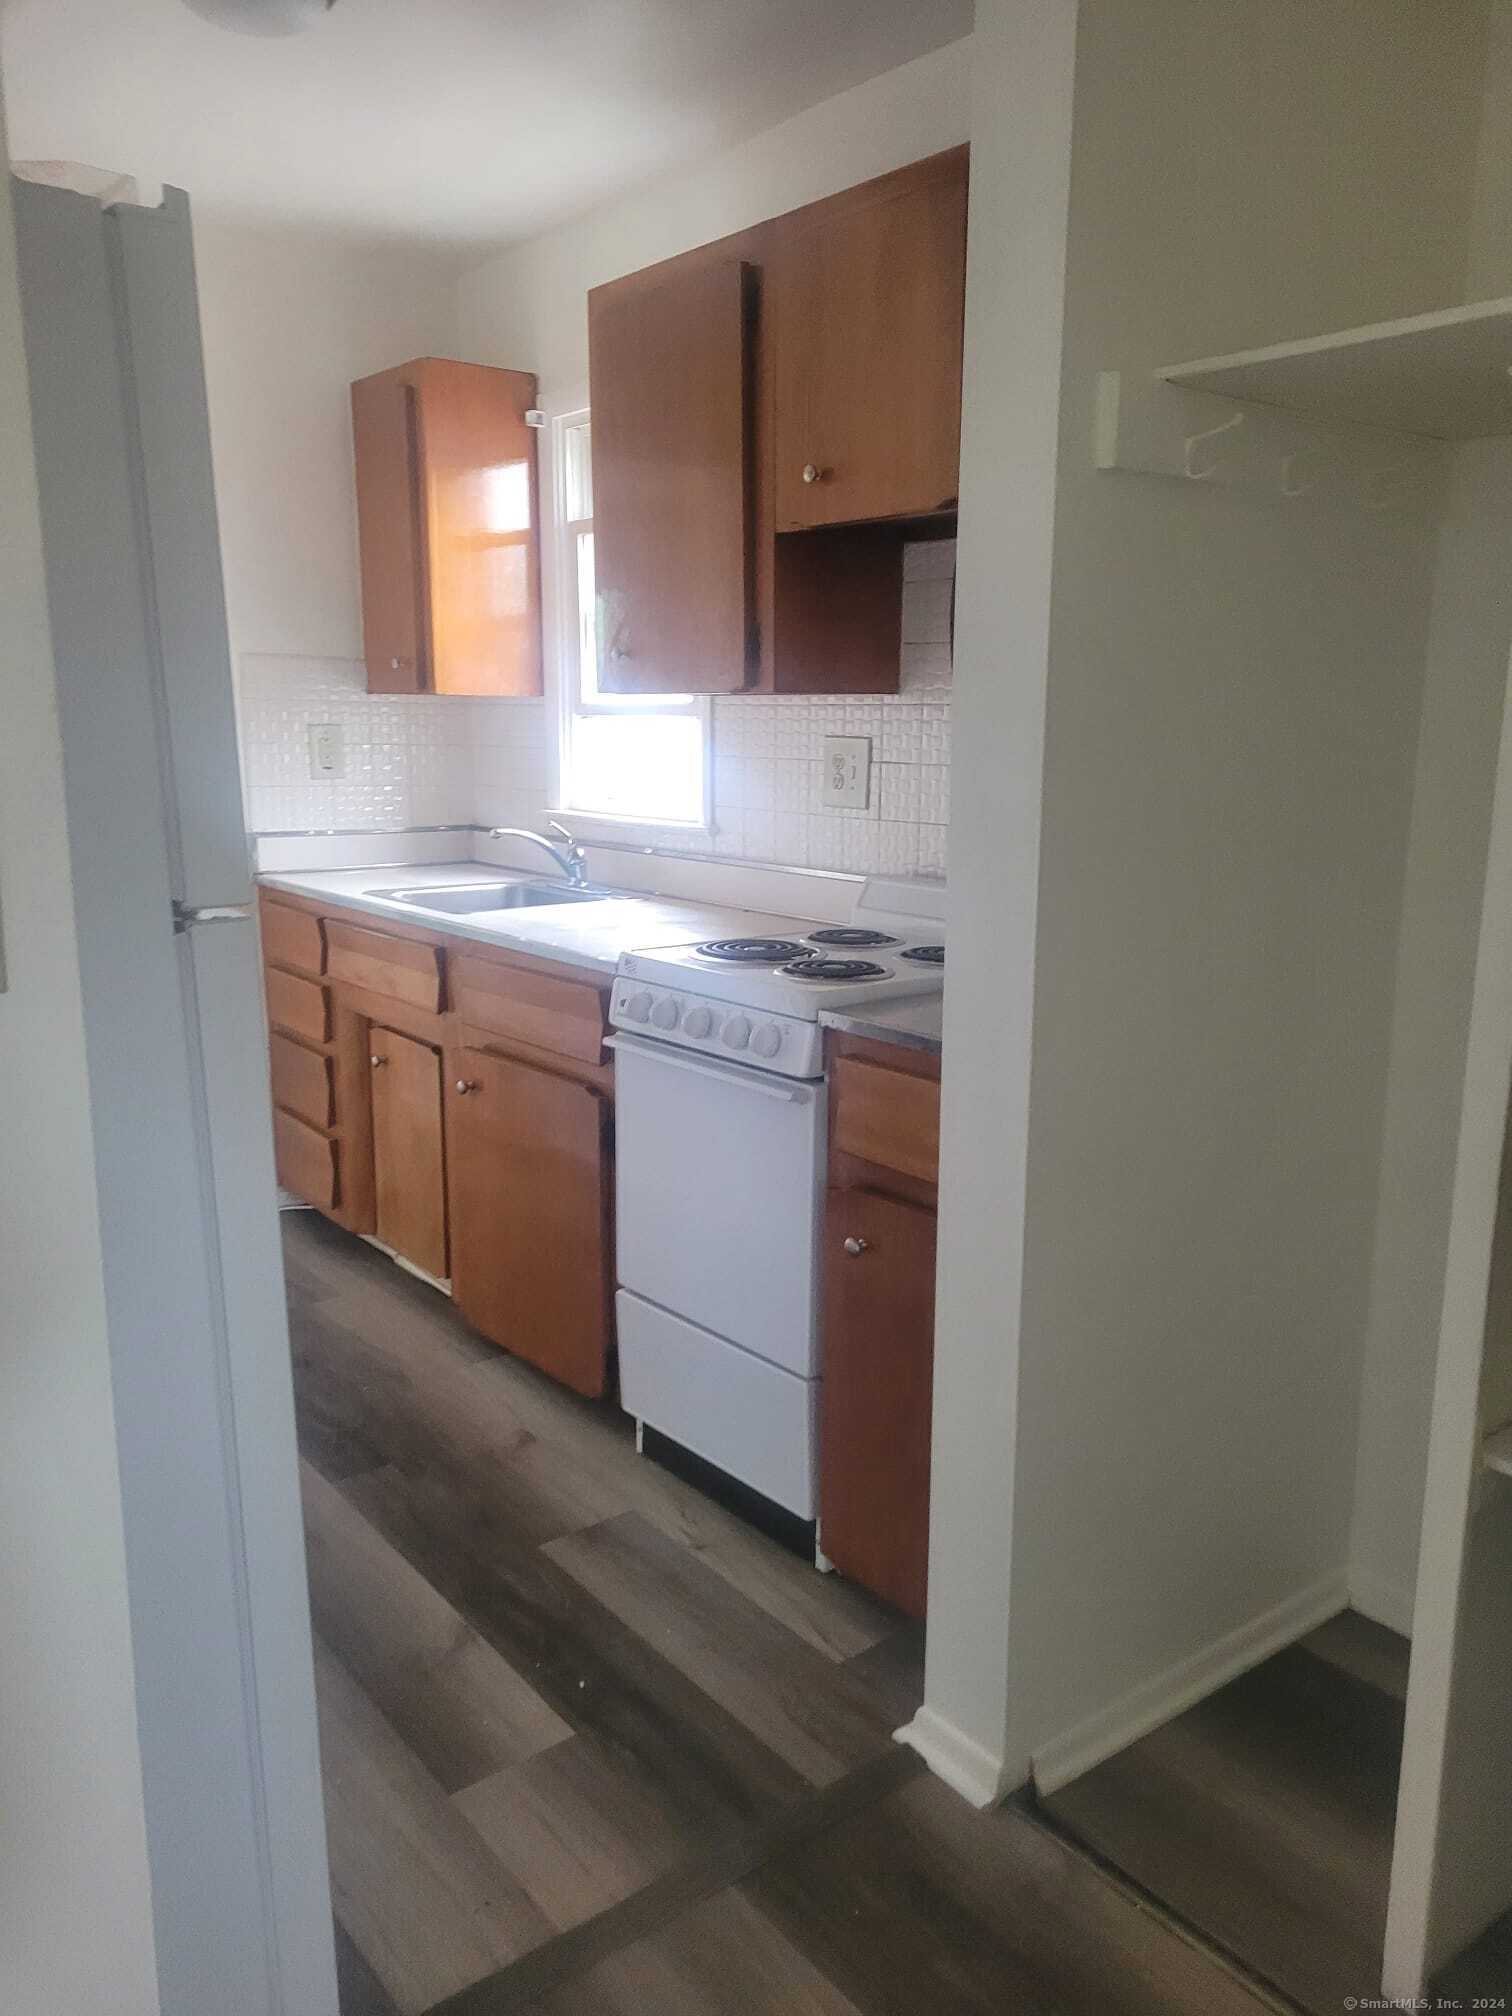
pixel 1443 375
pixel 1497 1451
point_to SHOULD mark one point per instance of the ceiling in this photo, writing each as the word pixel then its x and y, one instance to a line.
pixel 470 122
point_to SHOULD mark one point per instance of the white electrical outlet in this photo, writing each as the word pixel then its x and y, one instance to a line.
pixel 327 749
pixel 847 771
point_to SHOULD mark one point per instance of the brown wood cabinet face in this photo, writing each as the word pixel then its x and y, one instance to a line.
pixel 303 1007
pixel 885 1116
pixel 670 364
pixel 385 438
pixel 292 938
pixel 448 506
pixel 304 1161
pixel 408 1173
pixel 302 1080
pixel 528 1171
pixel 482 528
pixel 877 1393
pixel 385 964
pixel 868 314
pixel 526 1007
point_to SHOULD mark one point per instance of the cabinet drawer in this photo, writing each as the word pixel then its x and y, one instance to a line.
pixel 402 968
pixel 888 1117
pixel 302 1081
pixel 301 1006
pixel 537 1008
pixel 305 1161
pixel 292 938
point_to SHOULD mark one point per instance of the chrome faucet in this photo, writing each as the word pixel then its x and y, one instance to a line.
pixel 569 857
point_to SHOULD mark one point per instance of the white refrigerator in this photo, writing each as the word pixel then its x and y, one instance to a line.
pixel 179 1096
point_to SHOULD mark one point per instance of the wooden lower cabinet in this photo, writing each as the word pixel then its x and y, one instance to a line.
pixel 879 1281
pixel 529 1168
pixel 409 1176
pixel 304 1161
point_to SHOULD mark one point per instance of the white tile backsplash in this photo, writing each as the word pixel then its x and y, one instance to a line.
pixel 424 761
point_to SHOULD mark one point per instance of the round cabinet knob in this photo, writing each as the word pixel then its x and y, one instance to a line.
pixel 638 1007
pixel 737 1032
pixel 767 1041
pixel 856 1247
pixel 697 1022
pixel 377 1062
pixel 466 1085
pixel 666 1014
pixel 811 472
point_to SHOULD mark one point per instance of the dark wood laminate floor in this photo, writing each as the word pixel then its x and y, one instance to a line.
pixel 591 1744
pixel 1264 1815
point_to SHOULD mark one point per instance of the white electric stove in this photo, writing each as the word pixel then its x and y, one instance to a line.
pixel 758 1000
pixel 720 1154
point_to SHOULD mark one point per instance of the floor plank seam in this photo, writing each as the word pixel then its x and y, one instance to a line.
pixel 582 1947
pixel 1193 1936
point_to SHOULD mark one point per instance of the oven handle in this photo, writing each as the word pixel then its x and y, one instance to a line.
pixel 724 1074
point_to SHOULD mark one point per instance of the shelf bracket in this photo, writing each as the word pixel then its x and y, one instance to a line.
pixel 1144 425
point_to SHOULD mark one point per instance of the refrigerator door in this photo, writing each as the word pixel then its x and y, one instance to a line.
pixel 173 1028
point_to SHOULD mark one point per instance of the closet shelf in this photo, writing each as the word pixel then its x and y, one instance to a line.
pixel 1496 1451
pixel 1444 375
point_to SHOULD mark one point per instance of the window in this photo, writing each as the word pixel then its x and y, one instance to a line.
pixel 620 755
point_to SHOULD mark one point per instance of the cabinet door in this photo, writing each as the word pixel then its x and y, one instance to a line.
pixel 669 361
pixel 528 1165
pixel 481 523
pixel 878 1386
pixel 385 438
pixel 408 1174
pixel 448 515
pixel 868 309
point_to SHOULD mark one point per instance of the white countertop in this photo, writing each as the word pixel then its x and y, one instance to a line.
pixel 591 935
pixel 916 1022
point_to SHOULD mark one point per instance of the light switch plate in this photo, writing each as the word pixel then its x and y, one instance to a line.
pixel 327 750
pixel 847 771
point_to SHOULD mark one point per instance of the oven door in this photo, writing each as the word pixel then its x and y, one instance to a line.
pixel 719 1172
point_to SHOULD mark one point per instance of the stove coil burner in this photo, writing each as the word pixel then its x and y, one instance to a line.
pixel 752 951
pixel 926 955
pixel 849 934
pixel 815 968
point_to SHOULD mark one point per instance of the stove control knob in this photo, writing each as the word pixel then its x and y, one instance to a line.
pixel 767 1041
pixel 697 1022
pixel 737 1032
pixel 638 1006
pixel 665 1014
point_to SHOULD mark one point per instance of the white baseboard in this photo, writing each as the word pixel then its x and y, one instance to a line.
pixel 1382 1602
pixel 1111 1729
pixel 966 1767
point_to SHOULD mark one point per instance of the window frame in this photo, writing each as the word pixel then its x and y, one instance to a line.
pixel 564 659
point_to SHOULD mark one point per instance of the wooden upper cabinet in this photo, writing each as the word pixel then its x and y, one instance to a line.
pixel 448 514
pixel 670 356
pixel 867 304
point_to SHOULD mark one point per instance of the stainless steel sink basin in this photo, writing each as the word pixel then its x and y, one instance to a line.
pixel 480 899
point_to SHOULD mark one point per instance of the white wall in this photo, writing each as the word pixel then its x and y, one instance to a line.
pixel 1233 693
pixel 528 306
pixel 1462 703
pixel 289 321
pixel 76 1929
pixel 972 1729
